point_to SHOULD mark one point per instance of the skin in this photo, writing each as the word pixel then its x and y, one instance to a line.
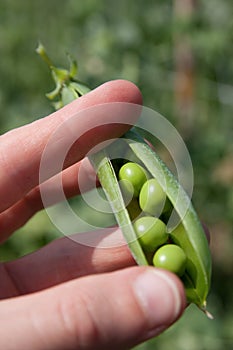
pixel 69 295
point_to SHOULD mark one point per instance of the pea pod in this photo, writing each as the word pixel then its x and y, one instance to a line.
pixel 188 234
pixel 108 179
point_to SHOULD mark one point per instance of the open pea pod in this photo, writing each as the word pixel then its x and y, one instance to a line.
pixel 187 233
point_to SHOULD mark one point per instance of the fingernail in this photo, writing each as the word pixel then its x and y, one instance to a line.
pixel 159 297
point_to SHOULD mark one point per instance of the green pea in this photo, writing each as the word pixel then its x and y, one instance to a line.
pixel 132 177
pixel 152 197
pixel 151 232
pixel 171 257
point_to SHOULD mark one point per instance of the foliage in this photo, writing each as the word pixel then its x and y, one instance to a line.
pixel 135 40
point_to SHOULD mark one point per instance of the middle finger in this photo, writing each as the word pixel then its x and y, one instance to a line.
pixel 64 259
pixel 64 185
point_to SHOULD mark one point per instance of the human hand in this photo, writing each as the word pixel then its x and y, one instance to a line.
pixel 69 295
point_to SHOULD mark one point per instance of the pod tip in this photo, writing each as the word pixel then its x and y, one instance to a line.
pixel 206 312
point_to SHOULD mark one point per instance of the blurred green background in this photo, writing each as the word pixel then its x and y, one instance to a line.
pixel 180 54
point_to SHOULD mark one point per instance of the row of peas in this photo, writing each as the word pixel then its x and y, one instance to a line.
pixel 149 201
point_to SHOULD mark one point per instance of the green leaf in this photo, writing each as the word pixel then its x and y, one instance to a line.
pixel 68 95
pixel 81 88
pixel 73 66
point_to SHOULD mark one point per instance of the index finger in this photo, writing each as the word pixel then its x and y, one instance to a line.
pixel 21 149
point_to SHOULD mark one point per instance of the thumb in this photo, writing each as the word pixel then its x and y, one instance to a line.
pixel 115 310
